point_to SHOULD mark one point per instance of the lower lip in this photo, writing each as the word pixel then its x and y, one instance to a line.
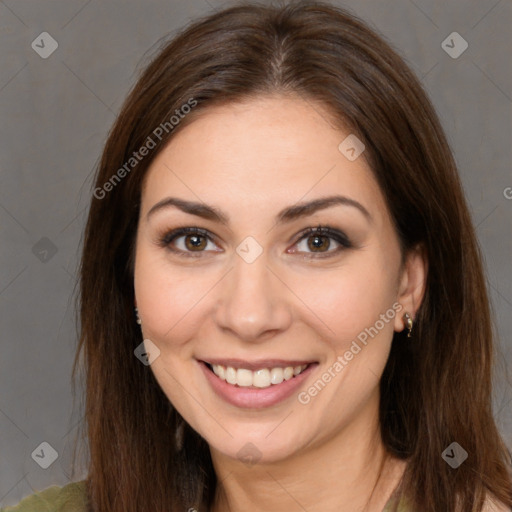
pixel 255 398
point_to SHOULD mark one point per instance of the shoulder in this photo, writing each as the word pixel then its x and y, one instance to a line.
pixel 69 498
pixel 491 505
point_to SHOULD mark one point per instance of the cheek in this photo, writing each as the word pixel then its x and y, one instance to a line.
pixel 350 300
pixel 161 295
pixel 170 299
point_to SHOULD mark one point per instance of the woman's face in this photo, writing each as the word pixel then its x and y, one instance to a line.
pixel 253 294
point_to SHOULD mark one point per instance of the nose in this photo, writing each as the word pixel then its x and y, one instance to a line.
pixel 253 302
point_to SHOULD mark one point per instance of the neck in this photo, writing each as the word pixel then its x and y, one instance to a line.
pixel 350 471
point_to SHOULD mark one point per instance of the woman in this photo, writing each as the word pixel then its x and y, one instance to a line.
pixel 278 202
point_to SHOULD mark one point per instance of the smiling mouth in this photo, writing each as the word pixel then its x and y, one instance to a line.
pixel 261 378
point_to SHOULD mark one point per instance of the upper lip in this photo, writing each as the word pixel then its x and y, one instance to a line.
pixel 256 364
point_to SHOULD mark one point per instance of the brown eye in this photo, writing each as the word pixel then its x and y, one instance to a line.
pixel 317 243
pixel 319 240
pixel 195 242
pixel 186 241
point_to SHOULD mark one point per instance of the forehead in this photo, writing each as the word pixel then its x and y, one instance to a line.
pixel 263 153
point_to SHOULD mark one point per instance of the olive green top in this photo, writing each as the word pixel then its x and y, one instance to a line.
pixel 69 498
pixel 72 498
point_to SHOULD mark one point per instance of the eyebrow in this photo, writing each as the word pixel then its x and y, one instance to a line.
pixel 286 215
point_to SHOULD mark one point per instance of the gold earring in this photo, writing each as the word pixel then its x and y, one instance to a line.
pixel 408 323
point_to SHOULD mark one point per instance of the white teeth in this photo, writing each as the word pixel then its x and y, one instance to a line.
pixel 243 377
pixel 288 373
pixel 276 375
pixel 263 378
pixel 221 372
pixel 230 375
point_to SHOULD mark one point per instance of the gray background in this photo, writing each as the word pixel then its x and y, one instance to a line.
pixel 55 114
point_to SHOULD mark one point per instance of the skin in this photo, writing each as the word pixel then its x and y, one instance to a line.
pixel 251 160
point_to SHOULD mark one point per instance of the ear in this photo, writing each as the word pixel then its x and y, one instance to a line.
pixel 411 285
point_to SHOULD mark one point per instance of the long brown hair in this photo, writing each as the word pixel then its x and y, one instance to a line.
pixel 436 389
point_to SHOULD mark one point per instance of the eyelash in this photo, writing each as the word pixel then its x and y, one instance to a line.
pixel 320 231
